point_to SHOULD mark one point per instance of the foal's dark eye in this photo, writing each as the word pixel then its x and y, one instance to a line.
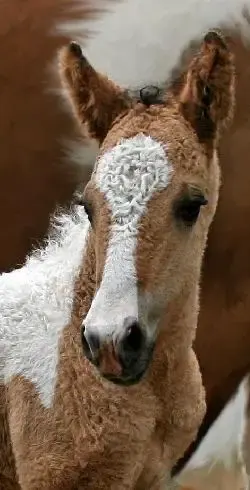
pixel 88 210
pixel 188 209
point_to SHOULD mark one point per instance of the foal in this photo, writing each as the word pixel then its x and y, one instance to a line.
pixel 100 385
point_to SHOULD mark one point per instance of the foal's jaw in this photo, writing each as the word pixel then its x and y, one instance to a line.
pixel 154 194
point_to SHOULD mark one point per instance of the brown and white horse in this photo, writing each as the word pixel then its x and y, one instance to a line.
pixel 137 45
pixel 123 284
pixel 140 43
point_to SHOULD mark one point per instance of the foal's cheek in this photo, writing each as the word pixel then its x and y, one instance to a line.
pixel 168 271
pixel 149 258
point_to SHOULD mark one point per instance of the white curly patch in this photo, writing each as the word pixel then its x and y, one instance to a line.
pixel 129 174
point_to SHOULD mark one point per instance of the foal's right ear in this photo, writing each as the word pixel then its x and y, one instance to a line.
pixel 207 98
pixel 96 101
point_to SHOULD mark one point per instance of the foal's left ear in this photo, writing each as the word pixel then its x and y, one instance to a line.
pixel 207 98
pixel 96 101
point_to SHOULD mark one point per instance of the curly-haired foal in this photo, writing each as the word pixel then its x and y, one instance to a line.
pixel 100 385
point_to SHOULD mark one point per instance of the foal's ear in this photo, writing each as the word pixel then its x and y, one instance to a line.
pixel 96 101
pixel 207 98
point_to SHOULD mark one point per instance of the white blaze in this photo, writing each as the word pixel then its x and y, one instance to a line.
pixel 128 176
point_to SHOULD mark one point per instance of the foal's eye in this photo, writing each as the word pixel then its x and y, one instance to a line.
pixel 188 209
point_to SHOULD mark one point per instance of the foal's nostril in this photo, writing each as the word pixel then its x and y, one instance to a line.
pixel 94 342
pixel 132 348
pixel 134 338
pixel 90 343
pixel 85 346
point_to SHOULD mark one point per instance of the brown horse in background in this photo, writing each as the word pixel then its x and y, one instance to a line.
pixel 34 177
pixel 33 174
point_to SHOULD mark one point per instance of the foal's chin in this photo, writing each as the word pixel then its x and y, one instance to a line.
pixel 126 380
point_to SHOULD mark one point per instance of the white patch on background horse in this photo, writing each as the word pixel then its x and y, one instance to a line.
pixel 136 43
pixel 36 304
pixel 221 449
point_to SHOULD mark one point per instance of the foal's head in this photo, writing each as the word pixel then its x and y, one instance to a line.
pixel 150 200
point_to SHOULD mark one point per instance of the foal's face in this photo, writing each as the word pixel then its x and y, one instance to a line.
pixel 150 201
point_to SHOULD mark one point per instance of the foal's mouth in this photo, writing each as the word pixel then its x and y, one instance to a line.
pixel 132 373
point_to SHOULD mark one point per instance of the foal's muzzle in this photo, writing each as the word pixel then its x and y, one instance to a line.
pixel 123 359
